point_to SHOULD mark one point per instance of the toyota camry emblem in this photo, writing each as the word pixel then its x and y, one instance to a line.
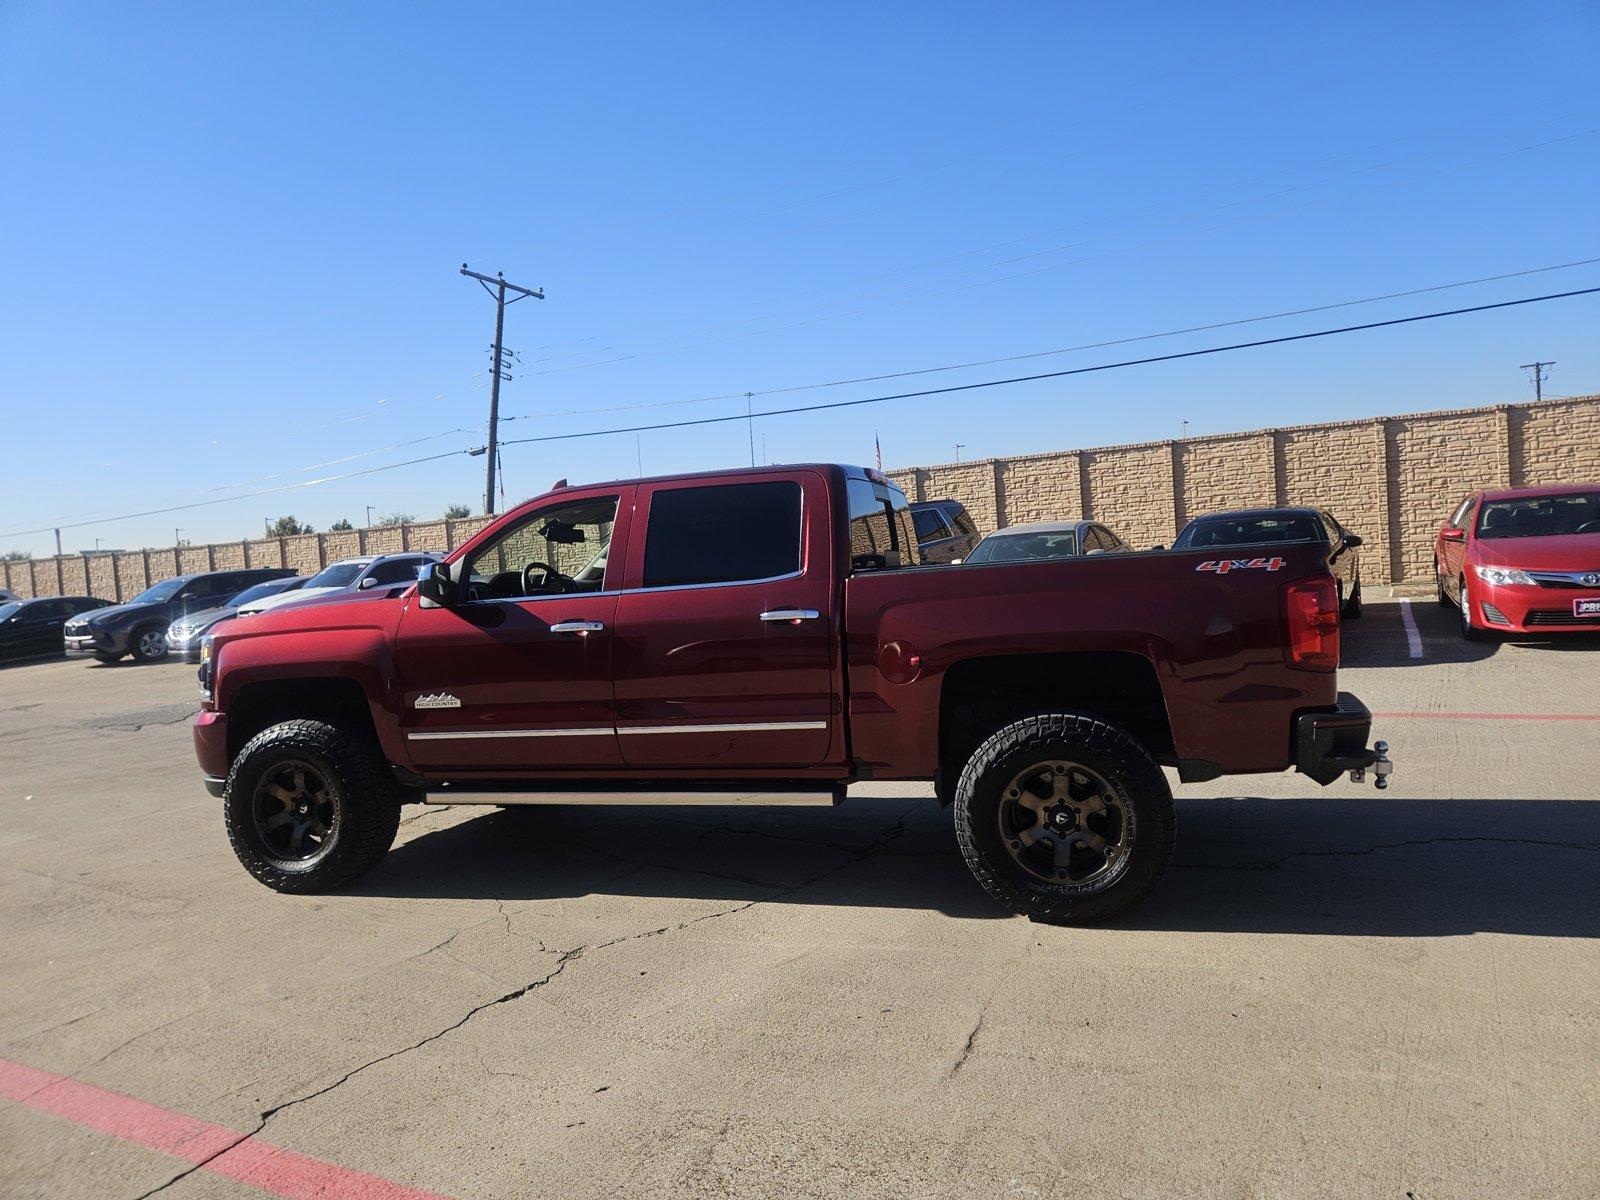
pixel 1592 579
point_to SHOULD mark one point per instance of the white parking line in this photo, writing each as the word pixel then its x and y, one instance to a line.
pixel 1413 638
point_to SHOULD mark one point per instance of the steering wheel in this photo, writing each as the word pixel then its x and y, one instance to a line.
pixel 537 578
pixel 1588 527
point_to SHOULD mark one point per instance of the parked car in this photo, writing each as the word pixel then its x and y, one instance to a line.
pixel 944 530
pixel 353 575
pixel 1252 528
pixel 184 634
pixel 1046 540
pixel 1522 560
pixel 30 628
pixel 7 596
pixel 139 627
pixel 735 639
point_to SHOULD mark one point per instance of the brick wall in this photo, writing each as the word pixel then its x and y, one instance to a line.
pixel 1390 479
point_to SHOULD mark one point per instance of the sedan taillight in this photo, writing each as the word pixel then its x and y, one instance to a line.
pixel 1311 613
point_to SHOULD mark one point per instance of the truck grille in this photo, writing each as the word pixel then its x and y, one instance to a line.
pixel 1557 616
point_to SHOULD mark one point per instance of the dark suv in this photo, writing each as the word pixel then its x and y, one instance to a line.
pixel 139 627
pixel 945 533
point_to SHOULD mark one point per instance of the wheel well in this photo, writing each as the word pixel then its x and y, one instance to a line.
pixel 258 706
pixel 982 694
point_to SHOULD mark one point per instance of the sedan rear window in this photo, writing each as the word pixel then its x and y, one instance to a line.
pixel 1025 547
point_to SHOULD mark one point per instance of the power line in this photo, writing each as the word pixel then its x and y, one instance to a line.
pixel 1132 362
pixel 779 412
pixel 989 362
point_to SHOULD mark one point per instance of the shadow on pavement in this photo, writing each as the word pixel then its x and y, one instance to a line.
pixel 1373 867
pixel 1378 638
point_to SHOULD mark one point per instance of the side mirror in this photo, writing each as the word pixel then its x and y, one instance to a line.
pixel 1158 547
pixel 435 587
pixel 1352 539
pixel 368 582
pixel 1451 534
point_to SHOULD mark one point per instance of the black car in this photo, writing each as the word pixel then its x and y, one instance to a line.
pixel 945 532
pixel 139 627
pixel 1249 530
pixel 30 628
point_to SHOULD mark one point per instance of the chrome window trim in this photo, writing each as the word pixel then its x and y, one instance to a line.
pixel 678 587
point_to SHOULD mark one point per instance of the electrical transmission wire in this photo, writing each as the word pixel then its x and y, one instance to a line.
pixel 807 408
pixel 989 362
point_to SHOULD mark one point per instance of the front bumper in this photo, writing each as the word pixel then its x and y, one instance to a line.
pixel 1329 742
pixel 184 651
pixel 86 644
pixel 1519 608
pixel 211 745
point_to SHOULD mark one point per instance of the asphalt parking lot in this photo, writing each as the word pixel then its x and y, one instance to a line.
pixel 1336 991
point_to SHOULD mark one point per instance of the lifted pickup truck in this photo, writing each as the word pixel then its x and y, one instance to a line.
pixel 769 630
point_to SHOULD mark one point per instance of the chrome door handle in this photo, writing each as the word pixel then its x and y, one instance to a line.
pixel 791 615
pixel 577 627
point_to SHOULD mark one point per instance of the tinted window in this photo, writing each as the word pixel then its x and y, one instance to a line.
pixel 8 608
pixel 930 525
pixel 1250 531
pixel 395 570
pixel 963 523
pixel 165 590
pixel 880 537
pixel 722 534
pixel 271 588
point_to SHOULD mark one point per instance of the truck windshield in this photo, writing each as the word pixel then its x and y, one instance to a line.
pixel 1541 516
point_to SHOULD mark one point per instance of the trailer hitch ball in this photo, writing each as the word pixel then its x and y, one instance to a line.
pixel 1381 766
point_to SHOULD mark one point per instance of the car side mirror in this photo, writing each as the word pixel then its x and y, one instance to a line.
pixel 1352 539
pixel 368 582
pixel 1452 534
pixel 956 562
pixel 435 586
pixel 1158 547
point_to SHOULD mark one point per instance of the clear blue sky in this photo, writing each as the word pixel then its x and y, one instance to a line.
pixel 230 233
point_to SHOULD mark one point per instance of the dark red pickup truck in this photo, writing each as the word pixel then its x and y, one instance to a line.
pixel 769 629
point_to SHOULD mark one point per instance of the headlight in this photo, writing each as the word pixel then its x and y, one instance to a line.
pixel 1502 575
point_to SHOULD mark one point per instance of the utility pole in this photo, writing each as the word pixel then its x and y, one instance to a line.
pixel 1539 376
pixel 58 543
pixel 177 537
pixel 497 288
pixel 369 516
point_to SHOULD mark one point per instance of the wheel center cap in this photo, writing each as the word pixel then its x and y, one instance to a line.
pixel 303 809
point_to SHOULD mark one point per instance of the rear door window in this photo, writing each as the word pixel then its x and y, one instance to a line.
pixel 930 524
pixel 726 533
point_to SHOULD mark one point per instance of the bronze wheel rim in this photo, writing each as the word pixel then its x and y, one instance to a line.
pixel 1065 824
pixel 293 811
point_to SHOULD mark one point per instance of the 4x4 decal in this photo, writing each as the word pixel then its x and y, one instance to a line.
pixel 1223 565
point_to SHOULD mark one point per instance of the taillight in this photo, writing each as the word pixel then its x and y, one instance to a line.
pixel 1311 612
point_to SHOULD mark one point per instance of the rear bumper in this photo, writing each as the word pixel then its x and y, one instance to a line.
pixel 1329 742
pixel 211 745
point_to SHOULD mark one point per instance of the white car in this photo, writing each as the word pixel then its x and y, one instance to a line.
pixel 350 575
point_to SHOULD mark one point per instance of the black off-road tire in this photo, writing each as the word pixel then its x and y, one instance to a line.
pixel 362 789
pixel 136 644
pixel 1102 747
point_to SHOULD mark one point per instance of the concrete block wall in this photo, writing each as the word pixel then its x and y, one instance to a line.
pixel 1390 479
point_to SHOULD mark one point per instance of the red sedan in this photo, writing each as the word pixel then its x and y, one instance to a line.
pixel 1522 560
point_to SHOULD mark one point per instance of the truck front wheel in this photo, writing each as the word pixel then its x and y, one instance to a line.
pixel 1064 818
pixel 310 806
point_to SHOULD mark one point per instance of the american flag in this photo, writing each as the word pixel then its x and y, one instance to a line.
pixel 877 450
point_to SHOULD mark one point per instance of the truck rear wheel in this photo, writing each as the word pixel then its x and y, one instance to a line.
pixel 1064 818
pixel 310 806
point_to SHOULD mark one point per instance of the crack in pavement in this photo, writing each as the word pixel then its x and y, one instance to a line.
pixel 1272 864
pixel 972 1038
pixel 567 956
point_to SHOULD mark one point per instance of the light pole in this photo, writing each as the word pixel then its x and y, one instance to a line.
pixel 369 516
pixel 959 447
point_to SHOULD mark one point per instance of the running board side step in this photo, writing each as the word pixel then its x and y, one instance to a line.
pixel 808 792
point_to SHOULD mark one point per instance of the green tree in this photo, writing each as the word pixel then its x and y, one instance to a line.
pixel 397 518
pixel 17 555
pixel 454 512
pixel 341 525
pixel 287 527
